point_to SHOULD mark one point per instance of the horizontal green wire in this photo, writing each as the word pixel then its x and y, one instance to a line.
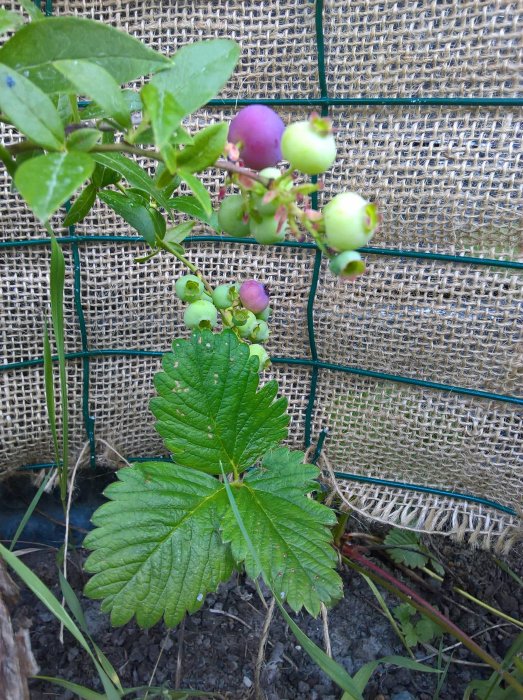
pixel 342 475
pixel 393 252
pixel 291 361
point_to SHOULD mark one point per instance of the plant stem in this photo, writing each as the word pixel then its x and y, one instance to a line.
pixel 353 558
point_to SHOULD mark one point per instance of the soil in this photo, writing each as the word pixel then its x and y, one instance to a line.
pixel 217 648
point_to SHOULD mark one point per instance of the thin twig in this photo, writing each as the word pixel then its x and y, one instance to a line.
pixel 162 646
pixel 326 635
pixel 460 644
pixel 114 450
pixel 261 649
pixel 179 655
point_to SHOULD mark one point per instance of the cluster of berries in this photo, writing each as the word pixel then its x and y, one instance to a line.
pixel 243 307
pixel 267 206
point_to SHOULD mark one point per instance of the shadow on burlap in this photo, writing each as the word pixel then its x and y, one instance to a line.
pixel 447 179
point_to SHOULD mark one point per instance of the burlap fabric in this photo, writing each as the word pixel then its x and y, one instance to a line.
pixel 447 179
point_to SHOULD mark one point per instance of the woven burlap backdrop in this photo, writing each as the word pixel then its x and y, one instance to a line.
pixel 384 362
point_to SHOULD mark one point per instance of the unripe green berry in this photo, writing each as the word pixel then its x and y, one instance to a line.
pixel 269 208
pixel 260 332
pixel 266 230
pixel 350 221
pixel 189 288
pixel 308 149
pixel 265 314
pixel 224 295
pixel 347 264
pixel 260 353
pixel 200 314
pixel 230 216
pixel 245 321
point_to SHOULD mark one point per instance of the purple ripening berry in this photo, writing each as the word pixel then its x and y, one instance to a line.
pixel 254 296
pixel 258 130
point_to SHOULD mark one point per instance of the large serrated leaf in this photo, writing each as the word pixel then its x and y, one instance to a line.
pixel 46 182
pixel 158 549
pixel 35 47
pixel 210 410
pixel 289 531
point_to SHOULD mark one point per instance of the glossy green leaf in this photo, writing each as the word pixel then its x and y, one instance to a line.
pixel 207 147
pixel 134 212
pixel 32 10
pixel 47 181
pixel 199 190
pixel 191 206
pixel 157 543
pixel 210 410
pixel 133 173
pixel 36 46
pixel 94 81
pixel 198 72
pixel 81 206
pixel 9 20
pixel 179 233
pixel 30 109
pixel 83 139
pixel 95 111
pixel 289 531
pixel 164 112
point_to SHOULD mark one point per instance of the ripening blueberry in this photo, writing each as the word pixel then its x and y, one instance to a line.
pixel 309 149
pixel 189 288
pixel 347 264
pixel 244 320
pixel 200 314
pixel 260 332
pixel 266 231
pixel 254 296
pixel 224 295
pixel 260 353
pixel 230 216
pixel 258 130
pixel 350 221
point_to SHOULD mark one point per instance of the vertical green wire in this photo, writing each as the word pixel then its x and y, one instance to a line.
pixel 320 47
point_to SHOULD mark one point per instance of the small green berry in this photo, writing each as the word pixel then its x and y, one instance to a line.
pixel 347 264
pixel 230 216
pixel 310 149
pixel 224 295
pixel 245 321
pixel 200 314
pixel 265 314
pixel 189 288
pixel 260 353
pixel 350 221
pixel 266 230
pixel 260 332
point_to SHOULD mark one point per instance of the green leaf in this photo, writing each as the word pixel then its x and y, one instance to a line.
pixel 191 206
pixel 134 212
pixel 132 101
pixel 133 173
pixel 179 233
pixel 207 147
pixel 199 191
pixel 83 139
pixel 32 10
pixel 426 630
pixel 405 548
pixel 289 531
pixel 157 543
pixel 362 677
pixel 198 72
pixel 80 690
pixel 210 411
pixel 36 46
pixel 9 20
pixel 47 181
pixel 30 109
pixel 164 111
pixel 95 82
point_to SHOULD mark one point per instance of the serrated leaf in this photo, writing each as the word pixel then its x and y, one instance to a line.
pixel 81 206
pixel 405 548
pixel 30 109
pixel 95 82
pixel 289 531
pixel 210 410
pixel 9 20
pixel 133 173
pixel 207 147
pixel 134 212
pixel 158 549
pixel 198 189
pixel 47 181
pixel 83 139
pixel 426 630
pixel 164 112
pixel 36 46
pixel 191 206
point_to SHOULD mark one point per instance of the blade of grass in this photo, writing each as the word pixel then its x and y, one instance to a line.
pixel 30 510
pixel 333 669
pixel 50 398
pixel 80 690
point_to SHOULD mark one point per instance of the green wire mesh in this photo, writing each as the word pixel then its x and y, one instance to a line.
pixel 324 101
